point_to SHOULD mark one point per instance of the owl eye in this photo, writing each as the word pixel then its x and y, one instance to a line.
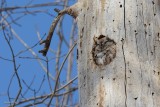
pixel 101 36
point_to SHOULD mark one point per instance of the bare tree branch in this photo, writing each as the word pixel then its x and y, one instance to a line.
pixel 32 52
pixel 71 11
pixel 15 67
pixel 30 6
pixel 59 74
pixel 51 85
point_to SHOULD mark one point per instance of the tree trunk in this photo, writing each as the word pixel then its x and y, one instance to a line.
pixel 119 53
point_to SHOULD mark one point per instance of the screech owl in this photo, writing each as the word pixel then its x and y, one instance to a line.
pixel 103 50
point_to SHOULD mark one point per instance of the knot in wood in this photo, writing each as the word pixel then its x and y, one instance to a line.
pixel 103 50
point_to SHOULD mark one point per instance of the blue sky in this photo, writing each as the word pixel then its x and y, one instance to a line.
pixel 29 70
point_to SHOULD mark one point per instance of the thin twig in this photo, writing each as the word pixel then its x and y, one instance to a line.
pixel 31 6
pixel 69 82
pixel 70 63
pixel 48 74
pixel 15 68
pixel 44 97
pixel 57 78
pixel 5 59
pixel 32 52
pixel 31 83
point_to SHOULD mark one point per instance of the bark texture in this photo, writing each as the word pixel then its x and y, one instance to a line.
pixel 132 78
